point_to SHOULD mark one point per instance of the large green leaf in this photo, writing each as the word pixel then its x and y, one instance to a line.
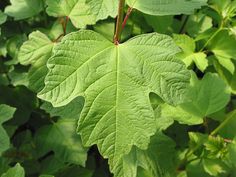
pixel 21 9
pixel 61 138
pixel 170 7
pixel 16 171
pixel 36 51
pixel 116 81
pixel 6 112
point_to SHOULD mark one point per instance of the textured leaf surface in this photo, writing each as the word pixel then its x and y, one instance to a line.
pixel 36 51
pixel 21 9
pixel 168 7
pixel 61 138
pixel 117 112
pixel 83 12
pixel 6 112
pixel 77 10
pixel 103 8
pixel 16 171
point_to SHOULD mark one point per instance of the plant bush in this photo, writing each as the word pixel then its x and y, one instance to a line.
pixel 124 88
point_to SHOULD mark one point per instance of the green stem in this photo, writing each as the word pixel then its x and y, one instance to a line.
pixel 209 40
pixel 185 20
pixel 225 122
pixel 119 22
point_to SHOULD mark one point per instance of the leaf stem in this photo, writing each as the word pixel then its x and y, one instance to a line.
pixel 225 122
pixel 126 17
pixel 209 40
pixel 64 25
pixel 119 22
pixel 185 20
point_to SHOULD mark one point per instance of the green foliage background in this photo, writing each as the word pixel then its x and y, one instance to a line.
pixel 79 99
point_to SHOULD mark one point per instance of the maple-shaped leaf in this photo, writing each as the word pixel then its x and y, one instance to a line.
pixel 116 81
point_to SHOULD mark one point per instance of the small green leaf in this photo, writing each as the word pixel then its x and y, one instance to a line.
pixel 103 8
pixel 61 138
pixel 216 147
pixel 226 63
pixel 21 9
pixel 214 166
pixel 226 9
pixel 36 52
pixel 6 112
pixel 205 98
pixel 77 10
pixel 189 55
pixel 197 140
pixel 170 7
pixel 16 171
pixel 200 60
pixel 82 12
pixel 198 23
pixel 220 47
pixel 202 100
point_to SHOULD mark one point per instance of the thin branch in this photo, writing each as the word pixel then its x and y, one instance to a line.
pixel 64 25
pixel 126 17
pixel 222 125
pixel 182 29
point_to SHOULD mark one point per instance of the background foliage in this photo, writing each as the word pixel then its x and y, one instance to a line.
pixel 74 104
